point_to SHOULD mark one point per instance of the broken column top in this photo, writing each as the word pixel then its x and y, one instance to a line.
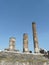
pixel 33 23
pixel 12 43
pixel 12 39
pixel 25 35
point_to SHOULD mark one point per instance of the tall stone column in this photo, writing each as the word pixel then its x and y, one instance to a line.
pixel 25 42
pixel 36 47
pixel 12 44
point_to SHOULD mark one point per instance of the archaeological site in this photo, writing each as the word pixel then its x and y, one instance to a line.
pixel 12 56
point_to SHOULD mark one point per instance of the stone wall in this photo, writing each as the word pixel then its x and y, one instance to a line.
pixel 9 58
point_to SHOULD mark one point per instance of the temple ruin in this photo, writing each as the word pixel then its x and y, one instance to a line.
pixel 12 56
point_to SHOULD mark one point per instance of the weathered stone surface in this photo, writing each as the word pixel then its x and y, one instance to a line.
pixel 10 58
pixel 25 42
pixel 12 43
pixel 35 39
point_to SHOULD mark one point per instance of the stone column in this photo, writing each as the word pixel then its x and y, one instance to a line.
pixel 36 47
pixel 12 44
pixel 25 42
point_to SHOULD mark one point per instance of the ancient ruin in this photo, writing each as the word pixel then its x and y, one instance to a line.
pixel 25 43
pixel 11 56
pixel 35 39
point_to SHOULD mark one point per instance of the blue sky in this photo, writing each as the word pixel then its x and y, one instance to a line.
pixel 16 17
